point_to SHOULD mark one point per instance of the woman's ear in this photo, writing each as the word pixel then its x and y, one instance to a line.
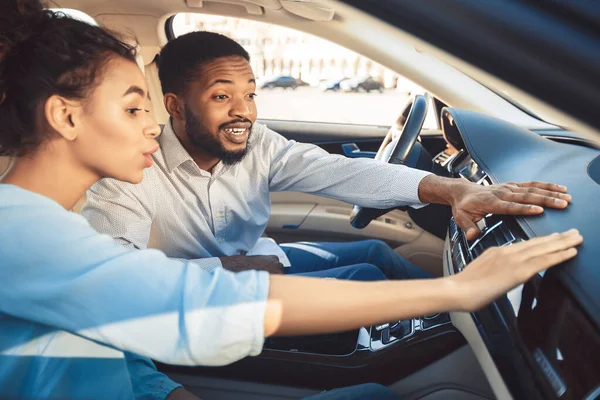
pixel 174 106
pixel 63 116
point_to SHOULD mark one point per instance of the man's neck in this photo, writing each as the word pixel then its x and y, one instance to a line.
pixel 203 160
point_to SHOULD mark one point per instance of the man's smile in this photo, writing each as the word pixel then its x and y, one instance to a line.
pixel 237 133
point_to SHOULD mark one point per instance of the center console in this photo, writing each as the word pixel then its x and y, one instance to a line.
pixel 382 354
pixel 370 339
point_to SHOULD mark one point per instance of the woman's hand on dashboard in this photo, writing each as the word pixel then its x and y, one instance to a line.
pixel 500 269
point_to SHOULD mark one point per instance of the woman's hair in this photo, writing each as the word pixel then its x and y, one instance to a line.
pixel 45 53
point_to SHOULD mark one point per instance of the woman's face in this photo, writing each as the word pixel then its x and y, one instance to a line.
pixel 118 136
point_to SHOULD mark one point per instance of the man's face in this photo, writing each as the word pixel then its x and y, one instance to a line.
pixel 220 108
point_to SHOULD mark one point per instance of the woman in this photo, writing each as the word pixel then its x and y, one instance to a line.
pixel 73 304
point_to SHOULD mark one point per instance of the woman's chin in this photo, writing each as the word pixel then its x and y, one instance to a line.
pixel 131 177
pixel 137 179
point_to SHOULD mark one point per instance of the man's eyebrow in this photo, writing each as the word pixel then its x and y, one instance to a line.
pixel 135 89
pixel 228 82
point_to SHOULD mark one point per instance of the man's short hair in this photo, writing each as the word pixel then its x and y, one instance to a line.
pixel 181 59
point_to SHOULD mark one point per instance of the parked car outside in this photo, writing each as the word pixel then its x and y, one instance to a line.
pixel 331 85
pixel 281 82
pixel 362 84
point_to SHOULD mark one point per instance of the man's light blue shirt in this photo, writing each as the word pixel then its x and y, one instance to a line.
pixel 75 308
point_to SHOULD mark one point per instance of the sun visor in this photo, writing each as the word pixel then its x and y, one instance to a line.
pixel 309 9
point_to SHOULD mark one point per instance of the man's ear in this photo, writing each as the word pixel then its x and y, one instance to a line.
pixel 63 116
pixel 174 106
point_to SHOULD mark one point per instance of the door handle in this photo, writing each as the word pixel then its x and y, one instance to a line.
pixel 351 150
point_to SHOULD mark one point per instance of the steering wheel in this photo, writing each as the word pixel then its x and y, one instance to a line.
pixel 395 149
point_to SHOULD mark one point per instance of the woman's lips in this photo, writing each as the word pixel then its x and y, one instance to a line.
pixel 148 157
pixel 148 160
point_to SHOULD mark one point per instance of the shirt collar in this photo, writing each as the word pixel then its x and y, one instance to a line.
pixel 174 152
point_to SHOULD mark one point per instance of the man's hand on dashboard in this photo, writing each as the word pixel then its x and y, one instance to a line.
pixel 471 202
pixel 270 264
pixel 500 269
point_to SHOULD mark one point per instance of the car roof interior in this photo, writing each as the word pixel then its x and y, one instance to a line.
pixel 336 21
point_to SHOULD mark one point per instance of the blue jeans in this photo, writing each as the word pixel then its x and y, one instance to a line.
pixel 367 391
pixel 367 260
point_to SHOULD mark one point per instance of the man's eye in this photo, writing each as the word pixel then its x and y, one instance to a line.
pixel 221 97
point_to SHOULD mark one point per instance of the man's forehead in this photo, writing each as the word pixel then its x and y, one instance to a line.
pixel 226 68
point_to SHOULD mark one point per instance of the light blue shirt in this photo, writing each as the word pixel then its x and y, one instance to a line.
pixel 75 306
pixel 198 215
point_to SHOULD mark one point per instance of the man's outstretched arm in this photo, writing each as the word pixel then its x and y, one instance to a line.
pixel 369 183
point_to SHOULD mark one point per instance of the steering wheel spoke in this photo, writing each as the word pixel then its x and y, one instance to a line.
pixel 395 149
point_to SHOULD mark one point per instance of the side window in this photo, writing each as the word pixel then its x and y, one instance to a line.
pixel 301 77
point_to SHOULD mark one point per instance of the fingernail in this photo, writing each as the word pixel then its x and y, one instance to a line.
pixel 538 209
pixel 562 187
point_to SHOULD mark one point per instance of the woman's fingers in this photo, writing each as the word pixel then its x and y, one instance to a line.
pixel 546 261
pixel 553 243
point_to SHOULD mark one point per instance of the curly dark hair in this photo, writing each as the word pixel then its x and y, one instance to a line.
pixel 181 59
pixel 45 53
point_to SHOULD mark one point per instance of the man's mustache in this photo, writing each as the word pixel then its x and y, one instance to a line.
pixel 236 121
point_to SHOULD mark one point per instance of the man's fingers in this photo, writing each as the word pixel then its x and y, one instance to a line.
pixel 540 185
pixel 466 224
pixel 513 208
pixel 541 192
pixel 536 199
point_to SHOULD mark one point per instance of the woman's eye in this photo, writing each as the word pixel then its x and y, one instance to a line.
pixel 133 111
pixel 252 95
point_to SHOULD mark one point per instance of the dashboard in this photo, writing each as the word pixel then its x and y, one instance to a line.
pixel 541 340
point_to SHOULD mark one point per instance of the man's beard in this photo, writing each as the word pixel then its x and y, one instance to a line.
pixel 201 137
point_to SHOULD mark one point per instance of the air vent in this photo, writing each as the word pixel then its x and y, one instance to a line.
pixel 443 158
pixel 496 235
pixel 485 180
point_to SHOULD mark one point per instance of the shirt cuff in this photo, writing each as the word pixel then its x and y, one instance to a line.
pixel 409 189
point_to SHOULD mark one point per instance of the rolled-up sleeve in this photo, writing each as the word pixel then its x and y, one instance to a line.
pixel 365 182
pixel 139 301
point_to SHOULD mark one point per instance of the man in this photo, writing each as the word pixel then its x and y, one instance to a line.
pixel 207 196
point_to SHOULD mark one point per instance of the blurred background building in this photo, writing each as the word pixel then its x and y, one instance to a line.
pixel 277 51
